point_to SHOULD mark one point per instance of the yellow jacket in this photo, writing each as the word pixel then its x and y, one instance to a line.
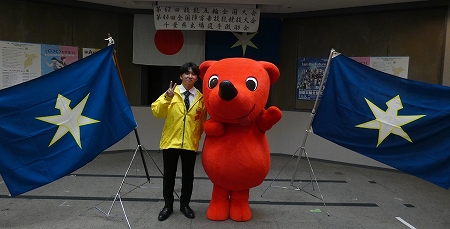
pixel 182 129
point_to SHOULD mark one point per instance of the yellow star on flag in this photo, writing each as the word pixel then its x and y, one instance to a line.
pixel 69 120
pixel 389 122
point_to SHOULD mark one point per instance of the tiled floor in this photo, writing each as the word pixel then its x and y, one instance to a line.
pixel 353 197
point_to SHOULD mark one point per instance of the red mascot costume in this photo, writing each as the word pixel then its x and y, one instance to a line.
pixel 235 153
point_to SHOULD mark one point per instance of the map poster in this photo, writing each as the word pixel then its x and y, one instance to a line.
pixel 309 77
pixel 55 57
pixel 394 65
pixel 19 62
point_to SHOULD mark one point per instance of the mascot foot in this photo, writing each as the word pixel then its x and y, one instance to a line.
pixel 219 206
pixel 240 211
pixel 239 206
pixel 218 210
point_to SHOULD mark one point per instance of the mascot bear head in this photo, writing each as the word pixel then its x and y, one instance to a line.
pixel 239 83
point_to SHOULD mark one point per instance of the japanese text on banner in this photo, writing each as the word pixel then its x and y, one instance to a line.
pixel 206 18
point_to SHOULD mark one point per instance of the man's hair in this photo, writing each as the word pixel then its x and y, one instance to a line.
pixel 185 68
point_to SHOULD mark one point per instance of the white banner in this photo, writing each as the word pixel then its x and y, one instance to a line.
pixel 207 18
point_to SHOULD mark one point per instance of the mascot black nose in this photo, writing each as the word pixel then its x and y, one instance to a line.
pixel 227 91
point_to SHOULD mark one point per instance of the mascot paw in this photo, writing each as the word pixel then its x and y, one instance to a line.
pixel 268 118
pixel 218 210
pixel 240 211
pixel 213 128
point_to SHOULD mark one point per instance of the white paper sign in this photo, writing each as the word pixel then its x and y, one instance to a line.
pixel 19 62
pixel 397 66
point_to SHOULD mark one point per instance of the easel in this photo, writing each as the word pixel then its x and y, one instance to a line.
pixel 302 151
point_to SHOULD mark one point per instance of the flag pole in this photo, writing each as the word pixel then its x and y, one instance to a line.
pixel 139 146
pixel 136 133
pixel 135 129
pixel 116 61
pixel 301 148
pixel 308 130
pixel 313 113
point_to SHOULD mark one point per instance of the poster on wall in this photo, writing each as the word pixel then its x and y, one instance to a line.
pixel 20 62
pixel 55 57
pixel 311 70
pixel 89 51
pixel 309 77
pixel 394 65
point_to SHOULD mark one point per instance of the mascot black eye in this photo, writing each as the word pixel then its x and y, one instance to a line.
pixel 213 81
pixel 251 83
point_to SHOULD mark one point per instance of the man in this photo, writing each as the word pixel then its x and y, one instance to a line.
pixel 185 114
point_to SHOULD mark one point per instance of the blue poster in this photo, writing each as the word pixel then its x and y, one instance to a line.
pixel 309 77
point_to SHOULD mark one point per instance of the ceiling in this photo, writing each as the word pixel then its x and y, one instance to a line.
pixel 266 6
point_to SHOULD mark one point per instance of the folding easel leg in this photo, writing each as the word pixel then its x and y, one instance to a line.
pixel 124 213
pixel 276 177
pixel 121 184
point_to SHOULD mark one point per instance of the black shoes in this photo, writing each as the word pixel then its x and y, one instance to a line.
pixel 188 212
pixel 165 213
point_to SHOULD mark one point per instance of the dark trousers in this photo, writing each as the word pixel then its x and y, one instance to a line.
pixel 170 160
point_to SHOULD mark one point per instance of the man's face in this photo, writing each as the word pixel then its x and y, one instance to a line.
pixel 188 79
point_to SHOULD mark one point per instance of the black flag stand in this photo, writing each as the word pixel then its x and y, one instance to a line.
pixel 118 195
pixel 141 149
pixel 303 152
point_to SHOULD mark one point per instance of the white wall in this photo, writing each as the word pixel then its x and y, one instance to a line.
pixel 284 138
pixel 149 131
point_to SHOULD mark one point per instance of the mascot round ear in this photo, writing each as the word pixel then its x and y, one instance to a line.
pixel 204 66
pixel 274 72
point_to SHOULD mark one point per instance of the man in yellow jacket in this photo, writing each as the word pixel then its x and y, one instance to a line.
pixel 185 113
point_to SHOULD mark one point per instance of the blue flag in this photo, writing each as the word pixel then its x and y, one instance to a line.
pixel 263 45
pixel 402 123
pixel 57 123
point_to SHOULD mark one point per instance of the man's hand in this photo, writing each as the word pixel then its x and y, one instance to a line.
pixel 169 92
